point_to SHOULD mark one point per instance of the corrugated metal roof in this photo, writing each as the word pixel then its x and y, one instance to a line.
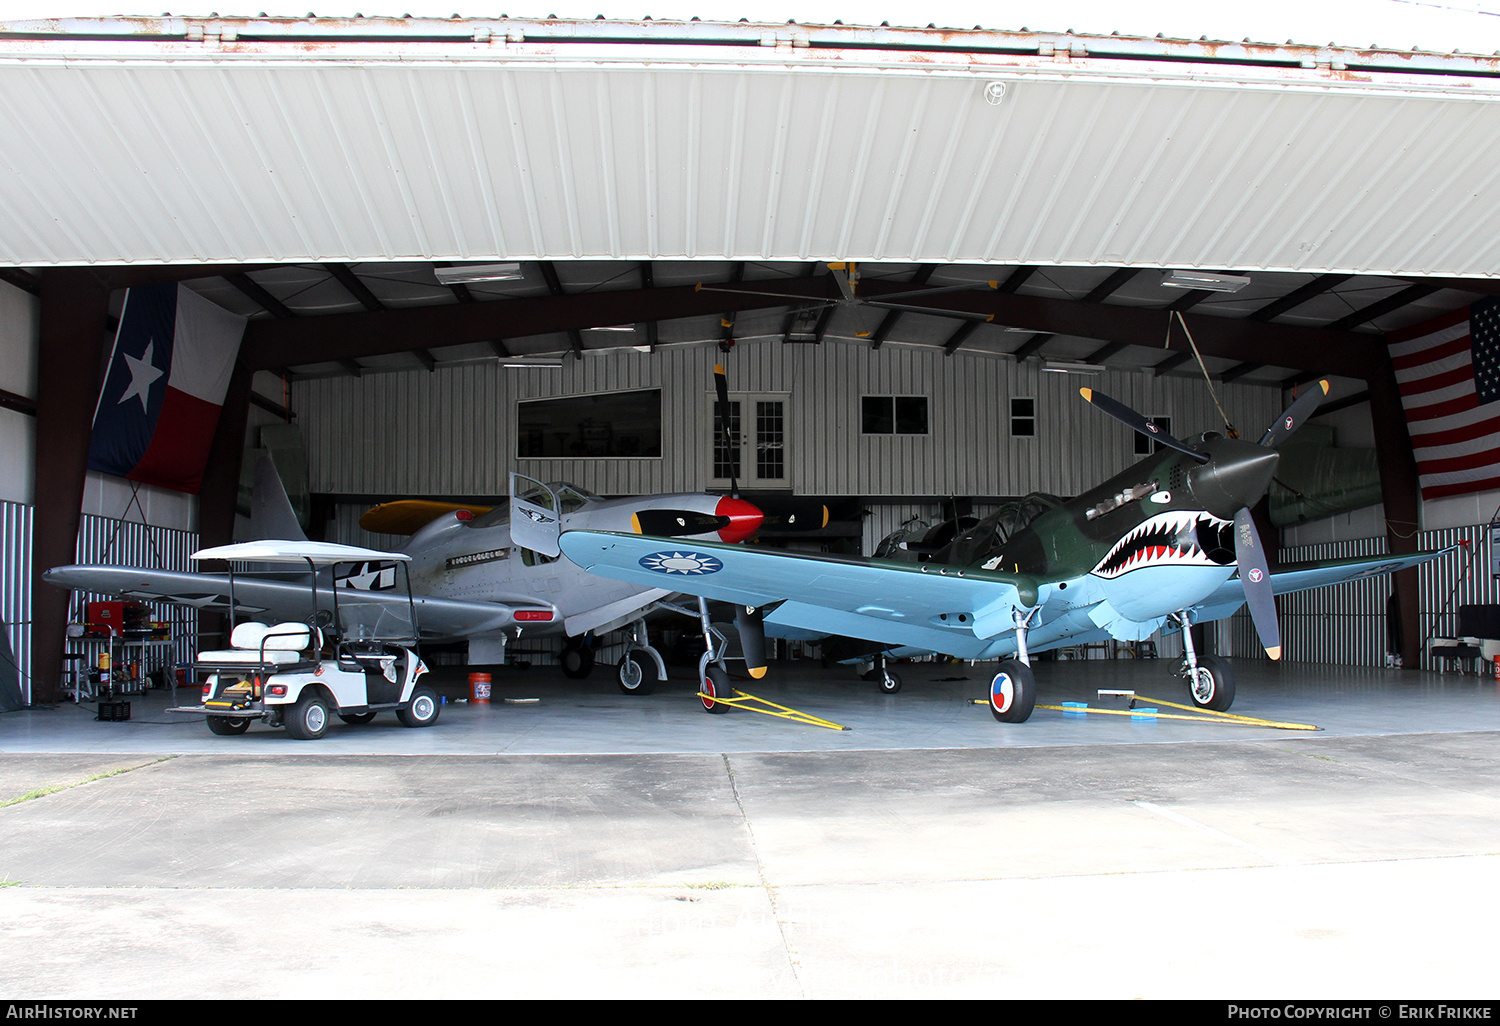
pixel 178 140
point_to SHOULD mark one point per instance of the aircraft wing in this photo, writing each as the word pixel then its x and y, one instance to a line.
pixel 270 599
pixel 1304 576
pixel 941 609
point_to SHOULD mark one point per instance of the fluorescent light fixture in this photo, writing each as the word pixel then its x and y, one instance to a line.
pixel 517 361
pixel 1070 367
pixel 612 327
pixel 1205 280
pixel 478 272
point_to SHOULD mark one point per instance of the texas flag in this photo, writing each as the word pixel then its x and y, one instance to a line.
pixel 168 373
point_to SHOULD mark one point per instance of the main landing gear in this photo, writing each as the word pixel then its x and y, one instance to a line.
pixel 577 658
pixel 641 668
pixel 1013 689
pixel 1210 681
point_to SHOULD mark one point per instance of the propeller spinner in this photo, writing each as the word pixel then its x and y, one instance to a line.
pixel 1231 477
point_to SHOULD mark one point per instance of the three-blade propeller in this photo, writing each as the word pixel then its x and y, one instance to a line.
pixel 1231 477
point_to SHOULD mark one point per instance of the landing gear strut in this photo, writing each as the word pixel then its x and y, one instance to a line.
pixel 1210 681
pixel 641 667
pixel 1013 689
pixel 885 679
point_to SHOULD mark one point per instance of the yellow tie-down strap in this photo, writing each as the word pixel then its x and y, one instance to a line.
pixel 1203 715
pixel 744 701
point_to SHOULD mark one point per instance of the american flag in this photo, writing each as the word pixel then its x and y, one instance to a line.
pixel 1449 373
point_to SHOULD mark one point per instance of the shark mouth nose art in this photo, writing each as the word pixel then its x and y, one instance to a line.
pixel 1174 538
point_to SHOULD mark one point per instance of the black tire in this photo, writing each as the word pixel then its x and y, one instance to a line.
pixel 716 684
pixel 1212 687
pixel 636 674
pixel 422 710
pixel 577 661
pixel 357 718
pixel 228 726
pixel 307 719
pixel 888 682
pixel 1013 692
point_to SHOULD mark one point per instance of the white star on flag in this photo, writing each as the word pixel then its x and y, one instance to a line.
pixel 142 374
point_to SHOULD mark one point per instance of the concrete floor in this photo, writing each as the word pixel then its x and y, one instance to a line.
pixel 593 845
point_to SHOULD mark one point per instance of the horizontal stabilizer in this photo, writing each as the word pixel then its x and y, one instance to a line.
pixel 408 516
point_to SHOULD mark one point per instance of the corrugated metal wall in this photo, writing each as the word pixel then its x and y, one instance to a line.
pixel 100 540
pixel 130 543
pixel 1346 624
pixel 15 586
pixel 452 431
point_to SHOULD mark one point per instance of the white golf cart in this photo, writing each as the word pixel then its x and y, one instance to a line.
pixel 352 656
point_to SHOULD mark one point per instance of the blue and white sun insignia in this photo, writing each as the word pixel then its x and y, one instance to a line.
pixel 691 564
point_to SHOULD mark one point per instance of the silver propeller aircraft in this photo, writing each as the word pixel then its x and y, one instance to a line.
pixel 1169 540
pixel 488 575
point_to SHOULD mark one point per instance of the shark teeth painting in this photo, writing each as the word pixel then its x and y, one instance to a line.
pixel 1174 538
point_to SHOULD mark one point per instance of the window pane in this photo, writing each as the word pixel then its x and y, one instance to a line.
pixel 614 424
pixel 770 450
pixel 727 444
pixel 911 414
pixel 1023 418
pixel 876 415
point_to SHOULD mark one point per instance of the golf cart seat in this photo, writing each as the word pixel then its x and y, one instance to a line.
pixel 281 645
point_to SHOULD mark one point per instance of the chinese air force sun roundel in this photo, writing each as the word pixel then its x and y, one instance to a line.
pixel 691 564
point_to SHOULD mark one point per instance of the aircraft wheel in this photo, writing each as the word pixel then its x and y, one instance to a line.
pixel 716 685
pixel 1013 692
pixel 228 726
pixel 1211 686
pixel 307 720
pixel 356 718
pixel 422 710
pixel 577 661
pixel 888 682
pixel 637 674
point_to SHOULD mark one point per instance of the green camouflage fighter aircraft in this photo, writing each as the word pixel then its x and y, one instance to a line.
pixel 1169 540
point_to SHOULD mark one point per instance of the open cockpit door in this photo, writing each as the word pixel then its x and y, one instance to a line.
pixel 534 516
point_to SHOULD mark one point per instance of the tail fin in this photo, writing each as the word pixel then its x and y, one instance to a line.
pixel 271 514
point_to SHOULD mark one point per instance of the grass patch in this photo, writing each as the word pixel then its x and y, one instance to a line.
pixel 42 792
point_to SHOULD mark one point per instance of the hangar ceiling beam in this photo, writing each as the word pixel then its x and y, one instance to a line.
pixel 1410 294
pixel 1173 360
pixel 924 272
pixel 303 340
pixel 257 295
pixel 1319 285
pixel 1108 287
pixel 648 281
pixel 554 286
pixel 1239 370
pixel 23 280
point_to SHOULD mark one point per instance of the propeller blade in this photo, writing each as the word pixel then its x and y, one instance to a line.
pixel 675 523
pixel 721 386
pixel 1256 579
pixel 1295 415
pixel 750 622
pixel 1125 415
pixel 791 514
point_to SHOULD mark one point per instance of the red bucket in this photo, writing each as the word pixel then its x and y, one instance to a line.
pixel 479 687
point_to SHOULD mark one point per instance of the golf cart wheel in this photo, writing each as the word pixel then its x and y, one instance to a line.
pixel 422 710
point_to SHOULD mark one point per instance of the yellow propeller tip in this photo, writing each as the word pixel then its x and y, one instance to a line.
pixel 635 524
pixel 861 334
pixel 837 267
pixel 718 368
pixel 1324 385
pixel 825 517
pixel 1087 393
pixel 1274 653
pixel 757 671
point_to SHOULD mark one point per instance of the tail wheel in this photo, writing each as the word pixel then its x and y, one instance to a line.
pixel 1013 692
pixel 637 674
pixel 888 682
pixel 716 685
pixel 1211 685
